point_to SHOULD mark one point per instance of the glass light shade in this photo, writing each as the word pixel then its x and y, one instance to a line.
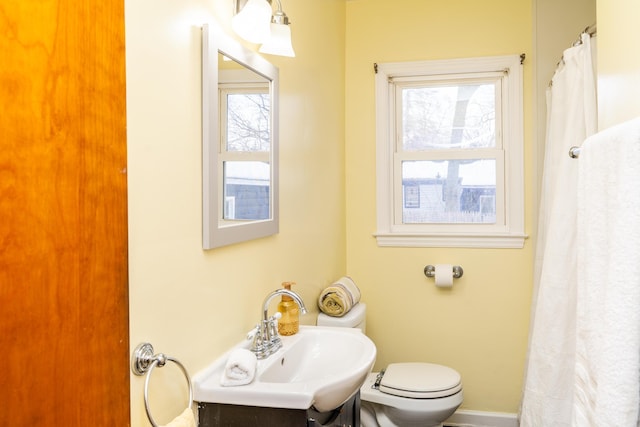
pixel 252 22
pixel 280 41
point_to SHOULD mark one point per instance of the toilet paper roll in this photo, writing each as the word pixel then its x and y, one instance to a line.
pixel 444 275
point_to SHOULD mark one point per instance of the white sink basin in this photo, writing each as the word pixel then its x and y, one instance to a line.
pixel 319 367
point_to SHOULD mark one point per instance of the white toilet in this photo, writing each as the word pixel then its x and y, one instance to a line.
pixel 406 394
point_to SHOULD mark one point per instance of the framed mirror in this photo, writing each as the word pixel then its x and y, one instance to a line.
pixel 239 142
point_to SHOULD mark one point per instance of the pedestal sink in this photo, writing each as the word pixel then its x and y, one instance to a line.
pixel 319 367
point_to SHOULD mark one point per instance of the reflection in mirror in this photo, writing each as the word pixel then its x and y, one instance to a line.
pixel 240 175
pixel 245 142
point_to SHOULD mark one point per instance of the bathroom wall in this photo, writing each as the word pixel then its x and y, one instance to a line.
pixel 618 62
pixel 194 304
pixel 480 326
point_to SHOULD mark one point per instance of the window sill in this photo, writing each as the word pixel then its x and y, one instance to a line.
pixel 497 241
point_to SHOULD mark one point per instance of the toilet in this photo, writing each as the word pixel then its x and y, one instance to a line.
pixel 403 394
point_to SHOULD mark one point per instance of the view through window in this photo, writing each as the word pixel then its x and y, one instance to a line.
pixel 443 122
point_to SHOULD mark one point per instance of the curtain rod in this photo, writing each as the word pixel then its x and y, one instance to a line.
pixel 574 152
pixel 591 31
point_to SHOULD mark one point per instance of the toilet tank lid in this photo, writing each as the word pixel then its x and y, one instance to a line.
pixel 420 380
pixel 353 318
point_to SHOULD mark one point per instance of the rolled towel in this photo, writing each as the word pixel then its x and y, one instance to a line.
pixel 240 368
pixel 186 419
pixel 336 300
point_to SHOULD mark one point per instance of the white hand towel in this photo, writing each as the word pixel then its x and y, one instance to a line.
pixel 337 299
pixel 607 384
pixel 240 368
pixel 186 419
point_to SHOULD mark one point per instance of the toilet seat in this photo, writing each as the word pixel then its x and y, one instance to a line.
pixel 420 380
pixel 371 393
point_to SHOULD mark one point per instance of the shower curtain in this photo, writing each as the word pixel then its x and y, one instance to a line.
pixel 571 118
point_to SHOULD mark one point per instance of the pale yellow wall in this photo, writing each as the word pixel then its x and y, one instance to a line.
pixel 479 327
pixel 194 304
pixel 618 61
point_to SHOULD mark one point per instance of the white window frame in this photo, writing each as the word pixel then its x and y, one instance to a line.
pixel 508 232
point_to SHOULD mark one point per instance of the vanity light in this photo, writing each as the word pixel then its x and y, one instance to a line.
pixel 280 41
pixel 250 22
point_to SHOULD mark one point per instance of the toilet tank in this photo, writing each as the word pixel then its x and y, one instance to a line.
pixel 355 318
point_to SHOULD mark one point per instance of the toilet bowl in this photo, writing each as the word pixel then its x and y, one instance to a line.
pixel 403 394
pixel 411 394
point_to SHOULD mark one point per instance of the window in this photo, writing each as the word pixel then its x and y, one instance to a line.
pixel 245 144
pixel 450 153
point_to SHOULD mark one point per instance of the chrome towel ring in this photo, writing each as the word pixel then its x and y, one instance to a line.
pixel 143 361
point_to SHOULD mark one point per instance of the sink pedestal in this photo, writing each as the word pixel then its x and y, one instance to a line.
pixel 225 415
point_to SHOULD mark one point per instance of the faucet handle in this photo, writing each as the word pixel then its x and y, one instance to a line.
pixel 252 333
pixel 272 325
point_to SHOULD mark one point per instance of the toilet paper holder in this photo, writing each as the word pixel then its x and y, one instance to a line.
pixel 430 271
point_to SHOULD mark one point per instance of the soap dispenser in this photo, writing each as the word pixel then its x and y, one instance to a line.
pixel 289 322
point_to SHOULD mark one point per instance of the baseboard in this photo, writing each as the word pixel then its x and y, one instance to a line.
pixel 465 418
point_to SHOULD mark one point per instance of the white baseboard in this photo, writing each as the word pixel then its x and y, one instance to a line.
pixel 465 418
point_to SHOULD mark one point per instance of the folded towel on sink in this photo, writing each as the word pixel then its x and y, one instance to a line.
pixel 337 299
pixel 240 368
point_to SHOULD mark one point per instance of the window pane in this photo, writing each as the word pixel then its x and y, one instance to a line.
pixel 449 191
pixel 442 117
pixel 246 190
pixel 248 122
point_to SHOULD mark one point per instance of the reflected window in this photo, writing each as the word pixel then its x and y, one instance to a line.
pixel 246 190
pixel 246 115
pixel 245 146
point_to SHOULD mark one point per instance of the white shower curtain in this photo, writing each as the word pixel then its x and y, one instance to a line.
pixel 571 117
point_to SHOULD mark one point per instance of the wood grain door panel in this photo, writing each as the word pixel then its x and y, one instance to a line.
pixel 63 214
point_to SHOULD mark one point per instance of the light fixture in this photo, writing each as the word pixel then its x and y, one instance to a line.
pixel 279 43
pixel 255 24
pixel 251 22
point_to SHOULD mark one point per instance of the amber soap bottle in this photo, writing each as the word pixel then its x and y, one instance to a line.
pixel 289 322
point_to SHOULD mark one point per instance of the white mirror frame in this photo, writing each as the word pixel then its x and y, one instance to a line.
pixel 213 233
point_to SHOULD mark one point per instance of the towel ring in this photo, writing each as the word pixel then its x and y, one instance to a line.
pixel 144 361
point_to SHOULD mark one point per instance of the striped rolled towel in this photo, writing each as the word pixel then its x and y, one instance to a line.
pixel 336 300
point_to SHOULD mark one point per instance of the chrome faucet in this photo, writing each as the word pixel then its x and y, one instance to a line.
pixel 266 340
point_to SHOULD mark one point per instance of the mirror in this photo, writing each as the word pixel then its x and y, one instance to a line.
pixel 239 142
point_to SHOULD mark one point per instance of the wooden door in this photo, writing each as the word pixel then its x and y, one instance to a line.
pixel 64 347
